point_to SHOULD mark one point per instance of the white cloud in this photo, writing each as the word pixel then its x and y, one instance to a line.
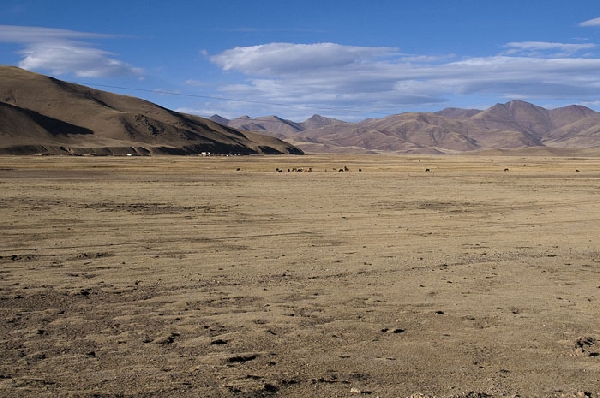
pixel 591 22
pixel 379 79
pixel 61 52
pixel 566 48
pixel 280 58
pixel 66 57
pixel 27 34
pixel 195 83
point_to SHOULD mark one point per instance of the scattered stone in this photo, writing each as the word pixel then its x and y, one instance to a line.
pixel 169 339
pixel 270 388
pixel 219 342
pixel 472 394
pixel 242 358
pixel 583 346
pixel 38 356
pixel 395 330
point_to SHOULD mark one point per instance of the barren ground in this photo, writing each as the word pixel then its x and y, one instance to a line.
pixel 184 277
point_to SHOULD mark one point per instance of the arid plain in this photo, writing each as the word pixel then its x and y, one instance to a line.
pixel 221 277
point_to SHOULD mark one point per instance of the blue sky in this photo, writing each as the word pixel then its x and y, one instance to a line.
pixel 349 60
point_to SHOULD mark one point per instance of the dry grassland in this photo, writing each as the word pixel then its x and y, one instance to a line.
pixel 183 277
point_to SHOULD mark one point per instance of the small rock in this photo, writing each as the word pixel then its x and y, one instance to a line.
pixel 241 358
pixel 169 339
pixel 219 341
pixel 271 388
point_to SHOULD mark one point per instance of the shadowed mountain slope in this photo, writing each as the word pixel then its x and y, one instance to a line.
pixel 40 114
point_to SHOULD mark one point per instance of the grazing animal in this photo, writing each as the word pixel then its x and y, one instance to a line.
pixel 505 169
pixel 577 171
pixel 427 170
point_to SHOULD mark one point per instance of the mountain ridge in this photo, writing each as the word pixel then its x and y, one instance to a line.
pixel 41 114
pixel 515 124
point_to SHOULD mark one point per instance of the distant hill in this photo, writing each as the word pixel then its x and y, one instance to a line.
pixel 276 126
pixel 513 125
pixel 40 114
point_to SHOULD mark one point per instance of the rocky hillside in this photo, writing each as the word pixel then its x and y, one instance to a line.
pixel 276 126
pixel 40 114
pixel 515 124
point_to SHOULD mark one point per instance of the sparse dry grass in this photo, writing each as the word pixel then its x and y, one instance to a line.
pixel 180 276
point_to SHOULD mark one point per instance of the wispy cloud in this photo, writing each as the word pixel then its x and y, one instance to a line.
pixel 591 22
pixel 554 49
pixel 263 30
pixel 62 52
pixel 27 34
pixel 380 78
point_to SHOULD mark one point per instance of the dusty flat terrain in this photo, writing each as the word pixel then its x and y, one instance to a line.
pixel 184 277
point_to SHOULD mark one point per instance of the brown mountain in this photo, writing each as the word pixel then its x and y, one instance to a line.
pixel 317 121
pixel 276 126
pixel 513 125
pixel 40 114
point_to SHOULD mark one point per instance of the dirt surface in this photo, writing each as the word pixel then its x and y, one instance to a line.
pixel 221 277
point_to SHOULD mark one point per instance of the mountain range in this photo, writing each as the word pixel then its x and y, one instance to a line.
pixel 44 115
pixel 512 125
